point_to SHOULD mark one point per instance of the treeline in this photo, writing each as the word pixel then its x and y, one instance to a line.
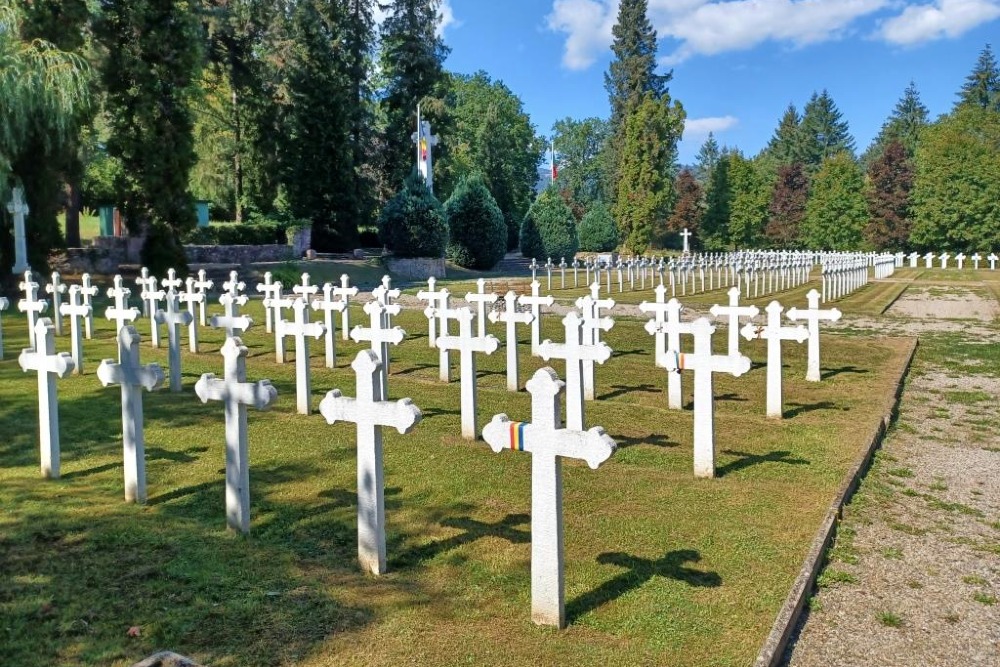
pixel 922 184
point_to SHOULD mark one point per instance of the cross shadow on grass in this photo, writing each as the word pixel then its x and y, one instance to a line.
pixel 414 368
pixel 472 530
pixel 802 408
pixel 747 460
pixel 655 439
pixel 623 389
pixel 638 572
pixel 833 372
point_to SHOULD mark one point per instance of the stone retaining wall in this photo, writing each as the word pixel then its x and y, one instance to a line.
pixel 416 268
pixel 108 253
pixel 238 254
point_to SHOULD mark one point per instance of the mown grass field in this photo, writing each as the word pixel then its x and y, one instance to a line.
pixel 660 568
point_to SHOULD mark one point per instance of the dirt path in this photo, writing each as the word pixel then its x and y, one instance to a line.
pixel 914 577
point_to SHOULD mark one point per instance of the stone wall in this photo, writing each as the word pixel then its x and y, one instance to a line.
pixel 416 268
pixel 108 253
pixel 238 254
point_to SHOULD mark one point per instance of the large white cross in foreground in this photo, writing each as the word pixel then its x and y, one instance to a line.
pixel 49 365
pixel 370 413
pixel 774 333
pixel 813 315
pixel 547 442
pixel 236 393
pixel 467 346
pixel 705 364
pixel 132 377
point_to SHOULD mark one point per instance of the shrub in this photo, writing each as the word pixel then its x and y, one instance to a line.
pixel 549 229
pixel 477 229
pixel 412 223
pixel 597 230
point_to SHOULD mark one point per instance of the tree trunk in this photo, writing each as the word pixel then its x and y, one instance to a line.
pixel 72 215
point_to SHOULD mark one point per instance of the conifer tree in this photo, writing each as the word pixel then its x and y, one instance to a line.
pixel 824 132
pixel 837 211
pixel 708 157
pixel 786 145
pixel 715 222
pixel 904 125
pixel 890 180
pixel 982 85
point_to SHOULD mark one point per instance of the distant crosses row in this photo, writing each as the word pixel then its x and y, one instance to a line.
pixel 930 257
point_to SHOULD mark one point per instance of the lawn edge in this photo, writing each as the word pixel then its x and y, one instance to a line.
pixel 772 653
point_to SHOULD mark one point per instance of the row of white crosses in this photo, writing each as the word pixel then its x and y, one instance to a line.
pixel 843 274
pixel 960 258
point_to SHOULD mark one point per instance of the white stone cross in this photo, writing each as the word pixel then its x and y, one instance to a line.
pixel 686 235
pixel 659 310
pixel 174 318
pixel 534 269
pixel 305 289
pixel 151 297
pixel 276 304
pixel 203 284
pixel 671 328
pixel 574 351
pixel 231 320
pixel 370 413
pixel 536 302
pixel 813 315
pixel 145 283
pixel 480 298
pixel 467 345
pixel 50 365
pixel 88 291
pixel 433 299
pixel 4 305
pixel 192 297
pixel 993 261
pixel 562 273
pixel 75 310
pixel 236 393
pixel 301 328
pixel 774 333
pixel 56 288
pixel 442 312
pixel 914 256
pixel 976 259
pixel 960 258
pixel 593 324
pixel 384 295
pixel 329 306
pixel 548 270
pixel 944 260
pixel 345 292
pixel 31 305
pixel 120 312
pixel 511 317
pixel 132 377
pixel 547 442
pixel 18 208
pixel 929 260
pixel 705 364
pixel 171 282
pixel 380 336
pixel 734 311
pixel 270 290
pixel 235 287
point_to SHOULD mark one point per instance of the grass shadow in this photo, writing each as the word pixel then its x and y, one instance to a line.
pixel 472 530
pixel 833 372
pixel 622 390
pixel 747 460
pixel 655 439
pixel 802 408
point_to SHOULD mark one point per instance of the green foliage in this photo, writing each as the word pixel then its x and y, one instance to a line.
pixel 982 85
pixel 412 67
pixel 823 132
pixel 597 231
pixel 413 223
pixel 261 231
pixel 955 189
pixel 708 157
pixel 787 146
pixel 149 74
pixel 549 229
pixel 491 134
pixel 645 190
pixel 632 72
pixel 837 211
pixel 718 194
pixel 787 207
pixel 904 125
pixel 748 206
pixel 687 212
pixel 478 231
pixel 890 181
pixel 580 147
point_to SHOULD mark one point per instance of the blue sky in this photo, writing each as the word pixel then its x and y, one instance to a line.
pixel 737 64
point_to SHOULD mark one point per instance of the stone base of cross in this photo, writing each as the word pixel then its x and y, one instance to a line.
pixel 548 443
pixel 370 413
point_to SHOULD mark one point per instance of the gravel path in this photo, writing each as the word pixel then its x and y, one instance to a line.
pixel 914 577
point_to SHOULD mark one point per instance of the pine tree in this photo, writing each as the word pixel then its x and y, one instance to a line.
pixel 904 125
pixel 359 51
pixel 597 231
pixel 708 157
pixel 412 66
pixel 982 85
pixel 549 228
pixel 890 181
pixel 788 206
pixel 824 133
pixel 715 222
pixel 152 63
pixel 476 226
pixel 837 211
pixel 786 146
pixel 687 211
pixel 748 206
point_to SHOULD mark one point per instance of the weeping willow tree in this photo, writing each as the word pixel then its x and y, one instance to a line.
pixel 44 92
pixel 40 86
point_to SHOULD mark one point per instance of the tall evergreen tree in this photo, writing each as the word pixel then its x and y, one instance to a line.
pixel 715 222
pixel 908 118
pixel 982 85
pixel 645 188
pixel 708 157
pixel 837 211
pixel 687 212
pixel 153 59
pixel 748 205
pixel 412 67
pixel 359 53
pixel 824 132
pixel 786 145
pixel 788 206
pixel 316 158
pixel 890 180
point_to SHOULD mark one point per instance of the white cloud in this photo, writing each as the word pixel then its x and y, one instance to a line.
pixel 706 27
pixel 446 13
pixel 937 20
pixel 700 127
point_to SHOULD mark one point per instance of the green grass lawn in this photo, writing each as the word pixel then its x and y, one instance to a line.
pixel 660 568
pixel 90 226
